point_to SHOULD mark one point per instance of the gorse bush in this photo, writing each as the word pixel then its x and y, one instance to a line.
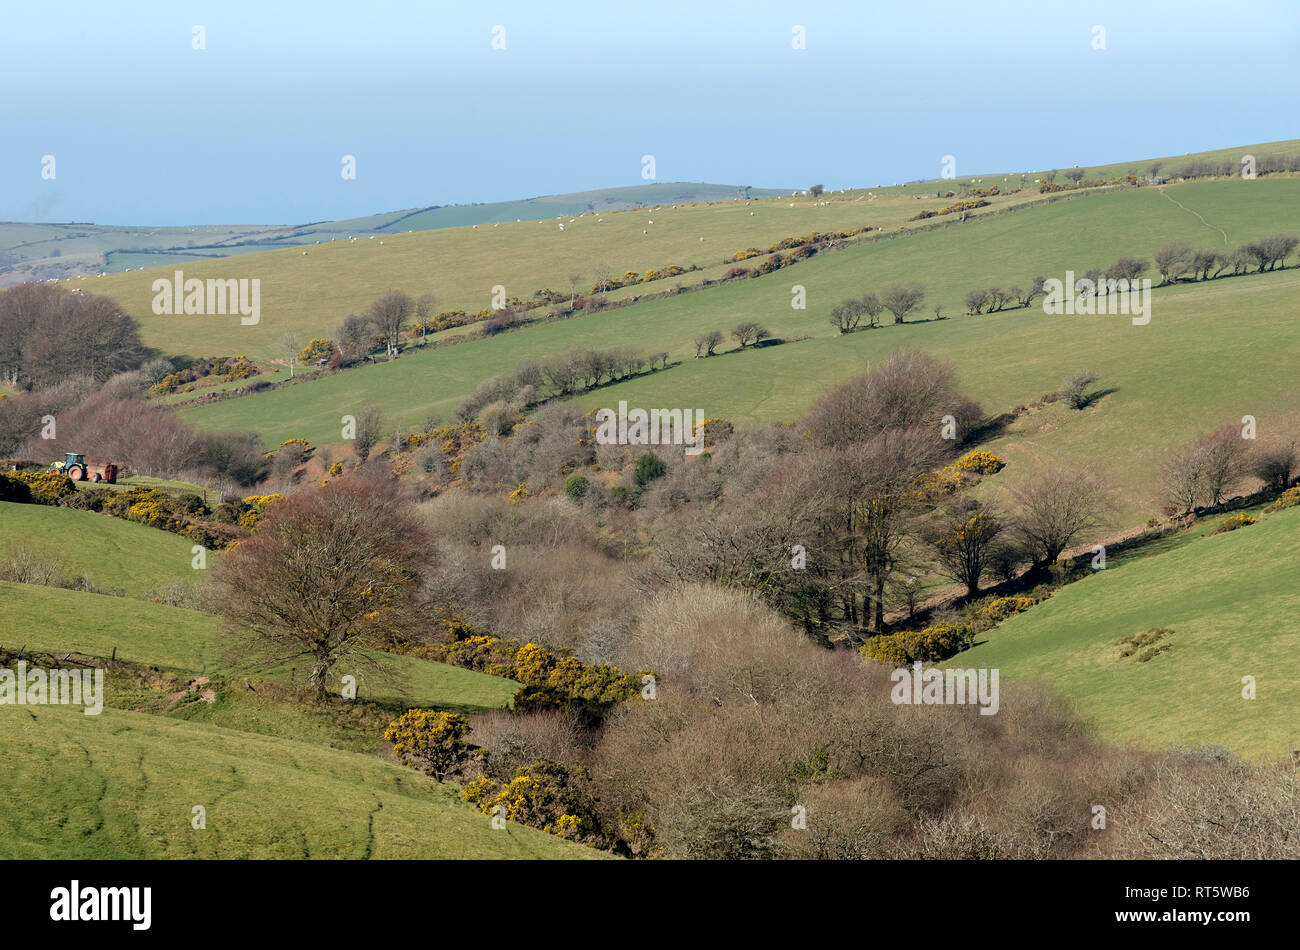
pixel 1239 520
pixel 545 795
pixel 981 462
pixel 430 741
pixel 46 488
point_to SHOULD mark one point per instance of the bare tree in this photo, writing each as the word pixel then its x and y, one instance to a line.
pixel 964 540
pixel 370 423
pixel 354 336
pixel 706 343
pixel 1225 454
pixel 1127 268
pixel 1275 463
pixel 1184 477
pixel 424 308
pixel 748 332
pixel 327 571
pixel 1074 391
pixel 900 300
pixel 290 347
pixel 389 315
pixel 847 315
pixel 1035 289
pixel 1055 507
pixel 1173 261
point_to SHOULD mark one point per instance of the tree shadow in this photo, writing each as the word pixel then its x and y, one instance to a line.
pixel 1097 396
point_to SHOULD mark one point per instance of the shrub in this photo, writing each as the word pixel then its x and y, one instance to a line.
pixel 430 741
pixel 1000 608
pixel 1239 520
pixel 46 487
pixel 648 467
pixel 545 795
pixel 983 463
pixel 575 486
pixel 15 490
pixel 1074 391
pixel 1288 499
pixel 886 649
pixel 931 645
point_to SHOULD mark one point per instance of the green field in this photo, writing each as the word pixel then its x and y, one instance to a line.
pixel 1213 352
pixel 309 294
pixel 36 251
pixel 124 785
pixel 278 777
pixel 57 621
pixel 114 552
pixel 1232 603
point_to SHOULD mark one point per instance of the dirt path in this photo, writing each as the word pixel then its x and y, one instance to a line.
pixel 1161 189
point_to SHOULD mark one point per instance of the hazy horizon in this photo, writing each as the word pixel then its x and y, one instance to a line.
pixel 147 130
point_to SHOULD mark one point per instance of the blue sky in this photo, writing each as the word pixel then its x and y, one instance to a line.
pixel 147 130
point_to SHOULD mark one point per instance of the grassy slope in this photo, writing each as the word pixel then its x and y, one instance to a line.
pixel 57 621
pixel 1190 357
pixel 40 250
pixel 308 295
pixel 114 552
pixel 1232 602
pixel 278 779
pixel 123 784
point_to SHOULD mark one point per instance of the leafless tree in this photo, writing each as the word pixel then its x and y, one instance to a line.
pixel 901 300
pixel 370 423
pixel 1275 463
pixel 748 332
pixel 389 315
pixel 706 343
pixel 964 537
pixel 1173 261
pixel 424 308
pixel 327 571
pixel 1055 507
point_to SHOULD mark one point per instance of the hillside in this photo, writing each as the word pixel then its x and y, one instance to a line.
pixel 37 251
pixel 1188 358
pixel 124 785
pixel 278 779
pixel 113 552
pixel 1231 602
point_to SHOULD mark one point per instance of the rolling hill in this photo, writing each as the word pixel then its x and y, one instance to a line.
pixel 1231 602
pixel 37 251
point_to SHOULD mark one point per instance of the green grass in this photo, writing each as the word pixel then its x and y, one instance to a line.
pixel 123 785
pixel 1213 352
pixel 1233 604
pixel 280 776
pixel 115 553
pixel 57 621
pixel 308 295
